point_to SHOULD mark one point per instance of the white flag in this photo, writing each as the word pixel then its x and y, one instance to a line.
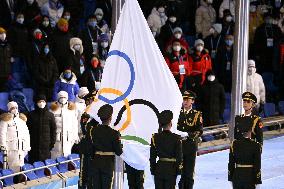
pixel 138 83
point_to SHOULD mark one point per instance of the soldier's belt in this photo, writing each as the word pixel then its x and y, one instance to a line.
pixel 104 153
pixel 244 166
pixel 168 159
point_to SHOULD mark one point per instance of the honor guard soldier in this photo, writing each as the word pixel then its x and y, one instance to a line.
pixel 190 123
pixel 106 143
pixel 253 122
pixel 244 168
pixel 167 146
pixel 135 177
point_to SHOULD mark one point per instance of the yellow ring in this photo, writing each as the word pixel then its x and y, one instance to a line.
pixel 118 93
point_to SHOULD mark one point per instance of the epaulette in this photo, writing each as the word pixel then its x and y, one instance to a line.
pixel 232 145
pixel 6 117
pixel 153 139
pixel 23 117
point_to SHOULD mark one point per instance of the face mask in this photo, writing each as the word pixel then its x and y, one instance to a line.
pixel 41 105
pixel 172 19
pixel 94 63
pixel 199 48
pixel 30 1
pixel 97 85
pixel 45 23
pixel 212 31
pixel 161 10
pixel 177 35
pixel 67 75
pixel 93 24
pixel 20 20
pixel 99 17
pixel 77 47
pixel 62 100
pixel 38 36
pixel 15 112
pixel 46 50
pixel 211 78
pixel 252 8
pixel 251 70
pixel 162 14
pixel 177 48
pixel 64 29
pixel 229 19
pixel 229 42
pixel 67 18
pixel 104 44
pixel 3 36
pixel 209 1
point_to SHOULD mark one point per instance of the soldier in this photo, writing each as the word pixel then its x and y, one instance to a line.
pixel 167 146
pixel 249 119
pixel 135 177
pixel 106 143
pixel 14 136
pixel 245 162
pixel 190 123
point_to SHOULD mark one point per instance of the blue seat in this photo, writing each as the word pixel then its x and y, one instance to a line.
pixel 29 93
pixel 64 166
pixel 281 107
pixel 227 115
pixel 40 172
pixel 4 100
pixel 31 175
pixel 76 162
pixel 53 169
pixel 269 109
pixel 268 78
pixel 10 180
pixel 207 138
pixel 228 100
pixel 26 159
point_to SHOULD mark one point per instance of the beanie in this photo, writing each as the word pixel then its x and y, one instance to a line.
pixel 2 30
pixel 12 104
pixel 198 42
pixel 62 22
pixel 217 27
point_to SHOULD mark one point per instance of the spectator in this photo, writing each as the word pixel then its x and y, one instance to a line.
pixel 103 48
pixel 66 125
pixel 178 63
pixel 67 82
pixel 36 45
pixel 14 136
pixel 81 106
pixel 106 6
pixel 212 100
pixel 92 76
pixel 42 129
pixel 224 62
pixel 157 18
pixel 227 4
pixel 32 14
pixel 205 17
pixel 89 8
pixel 46 28
pixel 255 84
pixel 60 43
pixel 177 35
pixel 281 20
pixel 73 28
pixel 228 24
pixel 8 10
pixel 45 72
pixel 101 23
pixel 5 59
pixel 54 10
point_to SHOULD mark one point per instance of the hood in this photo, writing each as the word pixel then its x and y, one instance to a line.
pixel 74 41
pixel 72 81
pixel 55 106
pixel 155 11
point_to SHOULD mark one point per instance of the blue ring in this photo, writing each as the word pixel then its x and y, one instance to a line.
pixel 132 78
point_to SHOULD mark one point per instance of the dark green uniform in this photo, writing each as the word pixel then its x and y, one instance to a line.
pixel 190 122
pixel 245 163
pixel 135 177
pixel 167 146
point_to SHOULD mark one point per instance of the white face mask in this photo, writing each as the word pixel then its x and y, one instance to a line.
pixel 199 48
pixel 45 23
pixel 41 105
pixel 161 10
pixel 3 36
pixel 177 48
pixel 62 100
pixel 251 70
pixel 67 17
pixel 77 47
pixel 212 31
pixel 172 19
pixel 229 19
pixel 252 8
pixel 211 78
pixel 30 1
pixel 104 44
pixel 177 35
pixel 15 111
pixel 99 17
pixel 20 20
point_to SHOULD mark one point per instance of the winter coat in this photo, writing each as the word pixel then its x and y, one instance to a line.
pixel 256 86
pixel 71 87
pixel 255 20
pixel 213 44
pixel 45 73
pixel 15 137
pixel 66 128
pixel 227 4
pixel 166 33
pixel 155 21
pixel 90 77
pixel 212 99
pixel 53 11
pixel 6 12
pixel 80 109
pixel 60 47
pixel 5 56
pixel 42 129
pixel 36 47
pixel 32 15
pixel 103 26
pixel 205 17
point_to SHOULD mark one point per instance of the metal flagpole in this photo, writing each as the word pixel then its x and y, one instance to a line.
pixel 239 74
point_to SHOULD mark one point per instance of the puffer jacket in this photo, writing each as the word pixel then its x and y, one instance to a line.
pixel 205 17
pixel 155 21
pixel 256 86
pixel 5 55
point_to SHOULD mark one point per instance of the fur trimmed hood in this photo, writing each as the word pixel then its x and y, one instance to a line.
pixel 55 106
pixel 6 117
pixel 23 117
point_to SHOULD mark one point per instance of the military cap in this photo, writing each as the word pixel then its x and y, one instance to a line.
pixel 249 96
pixel 105 112
pixel 165 117
pixel 189 94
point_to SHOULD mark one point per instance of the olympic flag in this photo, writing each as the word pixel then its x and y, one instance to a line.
pixel 138 83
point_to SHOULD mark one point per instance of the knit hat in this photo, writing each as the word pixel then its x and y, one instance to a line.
pixel 40 97
pixel 105 112
pixel 99 11
pixel 12 104
pixel 83 91
pixel 251 63
pixel 103 37
pixel 198 42
pixel 177 29
pixel 62 22
pixel 217 27
pixel 2 30
pixel 62 94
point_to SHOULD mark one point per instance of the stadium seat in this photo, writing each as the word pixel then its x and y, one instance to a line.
pixel 268 79
pixel 4 100
pixel 29 93
pixel 64 166
pixel 227 115
pixel 207 138
pixel 10 180
pixel 228 100
pixel 281 107
pixel 76 162
pixel 53 169
pixel 31 175
pixel 26 159
pixel 40 172
pixel 269 109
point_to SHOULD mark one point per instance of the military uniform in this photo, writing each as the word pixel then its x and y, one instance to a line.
pixel 244 168
pixel 135 177
pixel 106 144
pixel 190 122
pixel 167 146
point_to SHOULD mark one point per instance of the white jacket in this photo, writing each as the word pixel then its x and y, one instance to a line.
pixel 66 128
pixel 15 137
pixel 227 4
pixel 80 108
pixel 256 86
pixel 155 21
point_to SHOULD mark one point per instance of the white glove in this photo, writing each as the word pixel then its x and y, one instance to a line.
pixel 257 186
pixel 178 179
pixel 153 177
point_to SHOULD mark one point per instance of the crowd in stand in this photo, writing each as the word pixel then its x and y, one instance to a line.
pixel 59 50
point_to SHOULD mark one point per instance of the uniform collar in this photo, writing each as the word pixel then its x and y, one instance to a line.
pixel 187 111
